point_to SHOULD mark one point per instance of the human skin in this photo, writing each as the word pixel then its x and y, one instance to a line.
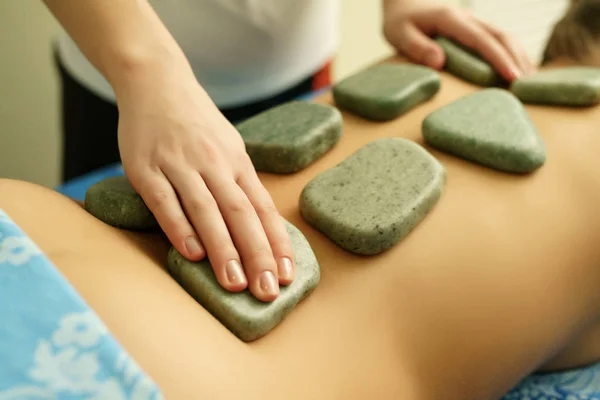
pixel 499 280
pixel 188 162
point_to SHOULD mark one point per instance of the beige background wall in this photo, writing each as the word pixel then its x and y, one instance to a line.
pixel 29 123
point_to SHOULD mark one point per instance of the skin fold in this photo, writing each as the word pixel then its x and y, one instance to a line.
pixel 499 280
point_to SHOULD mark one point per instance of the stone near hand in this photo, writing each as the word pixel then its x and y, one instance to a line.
pixel 386 91
pixel 466 64
pixel 289 137
pixel 568 86
pixel 114 201
pixel 375 197
pixel 241 313
pixel 491 128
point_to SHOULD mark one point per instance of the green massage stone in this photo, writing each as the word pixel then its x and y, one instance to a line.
pixel 288 137
pixel 467 64
pixel 386 91
pixel 245 316
pixel 570 86
pixel 375 197
pixel 490 127
pixel 114 201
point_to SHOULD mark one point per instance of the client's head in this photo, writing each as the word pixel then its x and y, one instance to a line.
pixel 576 37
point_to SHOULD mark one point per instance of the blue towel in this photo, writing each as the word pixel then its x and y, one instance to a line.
pixel 52 345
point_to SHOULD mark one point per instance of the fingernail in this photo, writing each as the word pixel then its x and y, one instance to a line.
pixel 268 283
pixel 193 246
pixel 515 72
pixel 285 269
pixel 235 274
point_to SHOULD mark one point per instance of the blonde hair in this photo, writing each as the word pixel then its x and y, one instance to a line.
pixel 577 35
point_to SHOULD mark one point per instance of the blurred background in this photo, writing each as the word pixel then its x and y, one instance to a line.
pixel 30 144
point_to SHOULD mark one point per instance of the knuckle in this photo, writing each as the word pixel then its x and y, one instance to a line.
pixel 267 209
pixel 200 204
pixel 447 12
pixel 237 207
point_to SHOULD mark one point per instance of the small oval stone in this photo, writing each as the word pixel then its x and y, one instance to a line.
pixel 375 197
pixel 289 137
pixel 243 314
pixel 115 202
pixel 568 86
pixel 467 64
pixel 386 91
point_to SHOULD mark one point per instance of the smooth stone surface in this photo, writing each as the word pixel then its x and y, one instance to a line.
pixel 569 86
pixel 386 91
pixel 245 316
pixel 468 65
pixel 289 137
pixel 375 197
pixel 491 128
pixel 114 201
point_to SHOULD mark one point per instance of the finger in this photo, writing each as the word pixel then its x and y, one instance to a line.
pixel 418 47
pixel 272 223
pixel 248 235
pixel 202 210
pixel 472 35
pixel 161 199
pixel 512 45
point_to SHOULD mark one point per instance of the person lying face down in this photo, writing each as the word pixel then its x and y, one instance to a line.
pixel 500 280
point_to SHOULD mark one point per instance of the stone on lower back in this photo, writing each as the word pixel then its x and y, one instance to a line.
pixel 289 137
pixel 468 65
pixel 491 128
pixel 241 313
pixel 115 202
pixel 375 197
pixel 569 86
pixel 386 91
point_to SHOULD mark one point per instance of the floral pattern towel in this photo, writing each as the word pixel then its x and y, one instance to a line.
pixel 52 345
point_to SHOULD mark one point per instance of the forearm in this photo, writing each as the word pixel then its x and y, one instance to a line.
pixel 124 39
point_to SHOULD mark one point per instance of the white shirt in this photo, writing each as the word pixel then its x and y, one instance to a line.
pixel 240 50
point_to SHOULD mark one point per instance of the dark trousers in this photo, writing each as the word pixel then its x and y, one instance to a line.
pixel 89 123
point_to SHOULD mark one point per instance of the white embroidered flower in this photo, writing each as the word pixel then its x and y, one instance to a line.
pixel 65 370
pixel 82 329
pixel 17 250
pixel 109 390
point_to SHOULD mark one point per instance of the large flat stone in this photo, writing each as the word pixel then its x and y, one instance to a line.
pixel 114 201
pixel 375 197
pixel 491 128
pixel 569 86
pixel 289 137
pixel 241 313
pixel 386 91
pixel 467 64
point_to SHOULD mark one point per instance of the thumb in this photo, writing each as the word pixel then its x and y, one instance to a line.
pixel 417 46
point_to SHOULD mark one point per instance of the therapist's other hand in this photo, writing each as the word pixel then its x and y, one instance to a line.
pixel 190 166
pixel 410 24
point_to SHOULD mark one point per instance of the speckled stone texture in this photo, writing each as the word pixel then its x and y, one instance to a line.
pixel 375 197
pixel 115 202
pixel 289 137
pixel 386 91
pixel 241 313
pixel 491 128
pixel 569 86
pixel 467 64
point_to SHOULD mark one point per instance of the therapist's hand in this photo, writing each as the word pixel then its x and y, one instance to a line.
pixel 410 24
pixel 190 166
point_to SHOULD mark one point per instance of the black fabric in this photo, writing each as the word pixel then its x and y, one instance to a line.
pixel 90 123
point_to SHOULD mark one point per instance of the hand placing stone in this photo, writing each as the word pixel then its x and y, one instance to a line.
pixel 115 202
pixel 375 197
pixel 289 137
pixel 467 65
pixel 241 313
pixel 386 91
pixel 490 127
pixel 569 86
